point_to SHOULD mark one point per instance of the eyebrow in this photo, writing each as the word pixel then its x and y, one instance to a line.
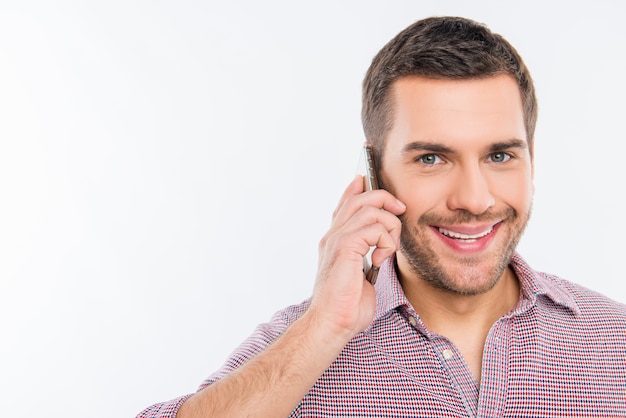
pixel 426 146
pixel 505 145
pixel 442 149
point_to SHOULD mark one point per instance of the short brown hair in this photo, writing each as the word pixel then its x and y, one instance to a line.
pixel 440 48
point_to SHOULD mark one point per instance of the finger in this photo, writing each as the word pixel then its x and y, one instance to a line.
pixel 369 215
pixel 354 240
pixel 375 199
pixel 365 215
pixel 355 187
pixel 386 242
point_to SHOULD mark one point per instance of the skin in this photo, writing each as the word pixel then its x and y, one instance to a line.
pixel 459 296
pixel 343 304
pixel 458 157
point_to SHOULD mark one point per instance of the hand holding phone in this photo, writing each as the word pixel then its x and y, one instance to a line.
pixel 361 222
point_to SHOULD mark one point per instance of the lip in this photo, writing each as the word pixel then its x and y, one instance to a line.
pixel 475 238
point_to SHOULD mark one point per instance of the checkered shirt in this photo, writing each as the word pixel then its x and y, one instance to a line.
pixel 560 353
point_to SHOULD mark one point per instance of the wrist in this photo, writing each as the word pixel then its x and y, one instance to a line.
pixel 324 332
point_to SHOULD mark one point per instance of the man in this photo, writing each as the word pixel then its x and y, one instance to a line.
pixel 457 324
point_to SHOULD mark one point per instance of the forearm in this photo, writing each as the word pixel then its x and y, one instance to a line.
pixel 272 383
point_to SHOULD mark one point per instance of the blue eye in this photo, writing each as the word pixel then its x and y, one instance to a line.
pixel 499 157
pixel 429 159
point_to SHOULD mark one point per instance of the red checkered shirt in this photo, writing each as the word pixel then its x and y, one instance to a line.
pixel 560 352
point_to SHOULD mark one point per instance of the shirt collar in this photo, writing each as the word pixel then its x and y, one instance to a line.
pixel 534 284
pixel 389 293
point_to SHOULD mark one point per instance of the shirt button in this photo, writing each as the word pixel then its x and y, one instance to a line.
pixel 412 321
pixel 447 354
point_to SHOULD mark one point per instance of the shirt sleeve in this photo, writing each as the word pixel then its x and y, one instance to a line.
pixel 164 409
pixel 262 336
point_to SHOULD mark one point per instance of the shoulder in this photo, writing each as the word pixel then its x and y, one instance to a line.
pixel 262 336
pixel 555 294
pixel 266 332
pixel 290 314
pixel 591 307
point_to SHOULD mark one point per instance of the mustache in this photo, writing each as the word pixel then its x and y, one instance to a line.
pixel 464 217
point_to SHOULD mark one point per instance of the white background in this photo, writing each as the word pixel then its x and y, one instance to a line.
pixel 168 167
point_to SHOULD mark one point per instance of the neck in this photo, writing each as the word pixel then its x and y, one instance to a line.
pixel 445 312
pixel 463 319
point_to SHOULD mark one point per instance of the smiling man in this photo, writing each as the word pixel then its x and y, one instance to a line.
pixel 458 324
pixel 458 157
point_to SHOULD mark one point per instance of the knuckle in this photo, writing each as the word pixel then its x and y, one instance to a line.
pixel 323 242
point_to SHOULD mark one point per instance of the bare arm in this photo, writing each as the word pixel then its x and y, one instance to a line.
pixel 272 383
pixel 343 304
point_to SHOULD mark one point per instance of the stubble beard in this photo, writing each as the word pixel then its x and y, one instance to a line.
pixel 428 265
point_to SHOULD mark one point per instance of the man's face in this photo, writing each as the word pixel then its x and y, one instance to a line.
pixel 457 155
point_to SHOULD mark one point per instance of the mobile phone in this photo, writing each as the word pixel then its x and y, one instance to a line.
pixel 370 182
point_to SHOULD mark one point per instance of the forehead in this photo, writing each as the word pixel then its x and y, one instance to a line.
pixel 457 113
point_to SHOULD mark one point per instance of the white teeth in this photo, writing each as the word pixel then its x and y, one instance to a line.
pixel 453 234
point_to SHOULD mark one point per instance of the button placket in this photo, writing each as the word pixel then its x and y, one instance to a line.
pixel 459 372
pixel 495 369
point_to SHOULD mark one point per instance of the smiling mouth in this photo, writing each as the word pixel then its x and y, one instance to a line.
pixel 465 237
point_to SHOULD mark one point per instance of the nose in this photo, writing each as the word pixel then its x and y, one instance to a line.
pixel 471 191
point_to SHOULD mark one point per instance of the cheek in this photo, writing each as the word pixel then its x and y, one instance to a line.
pixel 515 191
pixel 420 196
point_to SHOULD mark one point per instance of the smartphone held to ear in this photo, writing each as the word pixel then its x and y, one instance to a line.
pixel 370 182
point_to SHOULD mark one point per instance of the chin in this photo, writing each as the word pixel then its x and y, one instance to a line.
pixel 469 276
pixel 475 284
pixel 467 280
pixel 463 274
